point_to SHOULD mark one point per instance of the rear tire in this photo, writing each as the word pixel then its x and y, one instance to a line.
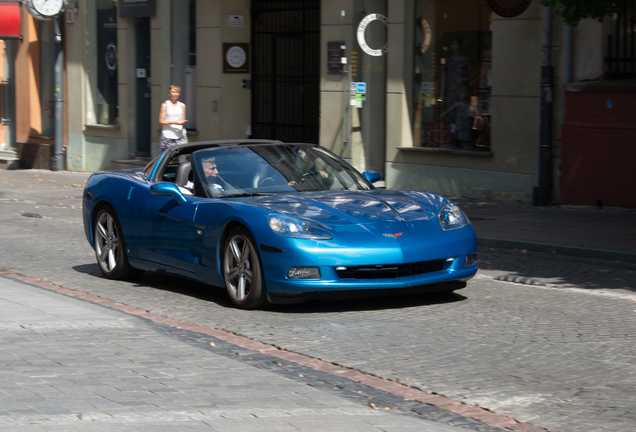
pixel 110 248
pixel 242 271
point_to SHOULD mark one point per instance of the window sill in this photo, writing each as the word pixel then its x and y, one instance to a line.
pixel 101 126
pixel 448 151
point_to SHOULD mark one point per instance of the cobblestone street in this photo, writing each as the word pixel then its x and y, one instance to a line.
pixel 556 351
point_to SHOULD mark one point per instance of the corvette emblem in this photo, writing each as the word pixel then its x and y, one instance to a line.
pixel 396 235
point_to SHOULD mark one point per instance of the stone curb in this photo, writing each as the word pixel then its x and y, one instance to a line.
pixel 470 411
pixel 579 252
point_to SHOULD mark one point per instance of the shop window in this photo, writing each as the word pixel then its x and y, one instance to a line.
pixel 102 63
pixel 453 65
pixel 184 55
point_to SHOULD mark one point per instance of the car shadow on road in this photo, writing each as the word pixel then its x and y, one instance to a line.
pixel 369 303
pixel 219 296
pixel 167 283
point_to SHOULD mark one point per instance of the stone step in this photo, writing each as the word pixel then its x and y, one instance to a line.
pixel 9 159
pixel 129 163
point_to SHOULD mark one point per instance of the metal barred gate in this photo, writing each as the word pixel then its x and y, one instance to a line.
pixel 286 70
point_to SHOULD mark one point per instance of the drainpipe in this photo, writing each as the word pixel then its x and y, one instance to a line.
pixel 542 194
pixel 58 160
pixel 567 68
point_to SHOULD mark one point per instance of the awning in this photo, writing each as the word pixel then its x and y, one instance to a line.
pixel 10 21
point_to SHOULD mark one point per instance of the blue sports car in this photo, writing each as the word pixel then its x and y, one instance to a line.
pixel 274 222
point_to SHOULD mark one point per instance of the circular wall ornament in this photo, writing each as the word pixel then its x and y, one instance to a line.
pixel 236 56
pixel 361 30
pixel 509 8
pixel 427 36
pixel 111 56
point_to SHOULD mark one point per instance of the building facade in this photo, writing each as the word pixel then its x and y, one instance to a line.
pixel 443 95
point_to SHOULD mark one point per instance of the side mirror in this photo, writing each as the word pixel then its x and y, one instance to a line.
pixel 372 176
pixel 168 189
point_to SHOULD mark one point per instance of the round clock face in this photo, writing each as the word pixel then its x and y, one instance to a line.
pixel 236 56
pixel 509 8
pixel 45 9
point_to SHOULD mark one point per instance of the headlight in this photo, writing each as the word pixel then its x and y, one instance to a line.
pixel 451 217
pixel 297 228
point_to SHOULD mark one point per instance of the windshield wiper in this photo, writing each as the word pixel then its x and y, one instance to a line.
pixel 247 194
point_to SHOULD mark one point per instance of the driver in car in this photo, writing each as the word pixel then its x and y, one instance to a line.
pixel 212 174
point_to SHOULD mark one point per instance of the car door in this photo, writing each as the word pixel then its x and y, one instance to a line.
pixel 163 230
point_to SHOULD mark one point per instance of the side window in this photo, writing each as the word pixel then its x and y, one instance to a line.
pixel 169 174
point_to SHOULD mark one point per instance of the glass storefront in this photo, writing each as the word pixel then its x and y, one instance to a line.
pixel 453 74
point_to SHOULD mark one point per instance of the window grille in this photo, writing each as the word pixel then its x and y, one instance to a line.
pixel 620 61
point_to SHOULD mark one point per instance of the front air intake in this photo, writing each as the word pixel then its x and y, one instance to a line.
pixel 389 271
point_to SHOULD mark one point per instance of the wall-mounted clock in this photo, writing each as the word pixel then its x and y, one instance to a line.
pixel 45 9
pixel 236 58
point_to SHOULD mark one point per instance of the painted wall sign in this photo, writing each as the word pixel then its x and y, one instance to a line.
pixel 9 20
pixel 509 8
pixel 137 8
pixel 361 30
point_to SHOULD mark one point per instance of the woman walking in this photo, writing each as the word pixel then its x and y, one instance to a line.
pixel 172 118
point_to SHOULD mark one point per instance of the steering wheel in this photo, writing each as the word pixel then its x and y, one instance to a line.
pixel 267 181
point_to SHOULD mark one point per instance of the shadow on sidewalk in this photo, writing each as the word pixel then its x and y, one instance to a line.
pixel 558 270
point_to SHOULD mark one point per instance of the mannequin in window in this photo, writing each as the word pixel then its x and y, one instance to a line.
pixel 459 75
pixel 462 114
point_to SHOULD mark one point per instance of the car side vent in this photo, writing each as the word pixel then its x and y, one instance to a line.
pixel 388 271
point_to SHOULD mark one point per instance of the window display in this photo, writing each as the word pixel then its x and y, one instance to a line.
pixel 102 61
pixel 453 74
pixel 107 61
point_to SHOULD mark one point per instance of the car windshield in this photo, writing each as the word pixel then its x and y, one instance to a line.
pixel 273 169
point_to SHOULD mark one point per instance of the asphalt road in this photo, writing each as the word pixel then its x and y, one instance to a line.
pixel 558 355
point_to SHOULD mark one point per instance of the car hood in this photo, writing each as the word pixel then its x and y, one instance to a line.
pixel 334 208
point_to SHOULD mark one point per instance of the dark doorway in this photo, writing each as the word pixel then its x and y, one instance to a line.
pixel 142 26
pixel 286 70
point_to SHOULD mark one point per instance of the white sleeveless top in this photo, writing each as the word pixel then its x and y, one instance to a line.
pixel 173 113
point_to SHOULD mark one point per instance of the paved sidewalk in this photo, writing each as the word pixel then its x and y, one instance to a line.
pixel 69 365
pixel 586 232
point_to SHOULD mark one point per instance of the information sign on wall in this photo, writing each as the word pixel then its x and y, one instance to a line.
pixel 137 8
pixel 336 60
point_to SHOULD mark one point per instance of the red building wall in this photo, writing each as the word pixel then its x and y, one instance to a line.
pixel 598 152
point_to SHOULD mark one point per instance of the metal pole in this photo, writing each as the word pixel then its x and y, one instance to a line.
pixel 542 194
pixel 567 68
pixel 57 164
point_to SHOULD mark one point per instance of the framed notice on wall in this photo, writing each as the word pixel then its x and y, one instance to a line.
pixel 137 8
pixel 236 58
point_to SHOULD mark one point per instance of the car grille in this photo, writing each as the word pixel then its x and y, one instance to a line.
pixel 389 271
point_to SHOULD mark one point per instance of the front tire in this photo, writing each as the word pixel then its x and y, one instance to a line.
pixel 242 270
pixel 110 249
